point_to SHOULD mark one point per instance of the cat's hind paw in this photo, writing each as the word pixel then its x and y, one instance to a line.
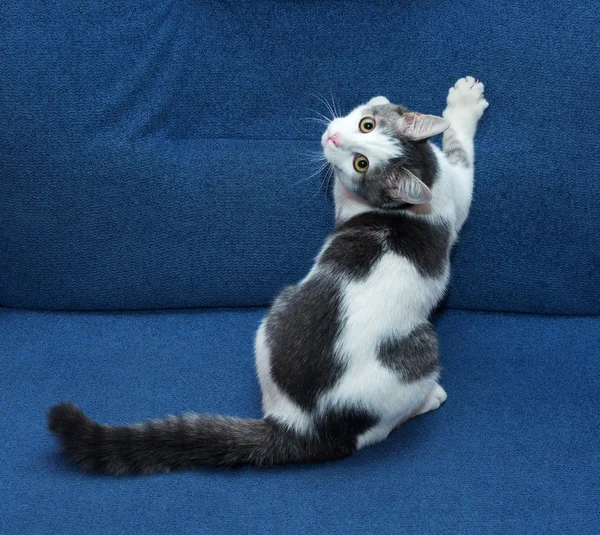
pixel 436 397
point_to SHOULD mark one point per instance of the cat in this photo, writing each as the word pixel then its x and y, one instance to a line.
pixel 347 354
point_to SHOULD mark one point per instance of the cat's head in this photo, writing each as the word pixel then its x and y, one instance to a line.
pixel 377 152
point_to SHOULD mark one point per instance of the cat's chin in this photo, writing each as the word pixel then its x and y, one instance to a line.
pixel 346 193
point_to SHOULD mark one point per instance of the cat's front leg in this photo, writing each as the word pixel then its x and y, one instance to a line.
pixel 466 104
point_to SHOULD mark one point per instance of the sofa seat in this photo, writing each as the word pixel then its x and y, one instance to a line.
pixel 515 449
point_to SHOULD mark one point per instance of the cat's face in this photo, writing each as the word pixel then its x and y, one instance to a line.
pixel 372 148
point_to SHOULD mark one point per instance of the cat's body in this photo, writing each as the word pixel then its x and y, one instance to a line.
pixel 348 353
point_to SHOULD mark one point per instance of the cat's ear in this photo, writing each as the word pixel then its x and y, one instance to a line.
pixel 417 126
pixel 406 187
pixel 377 101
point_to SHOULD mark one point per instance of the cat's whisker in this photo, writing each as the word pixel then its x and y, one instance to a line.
pixel 313 162
pixel 330 178
pixel 324 117
pixel 307 165
pixel 326 180
pixel 312 157
pixel 316 153
pixel 322 166
pixel 316 119
pixel 336 112
pixel 327 105
pixel 317 172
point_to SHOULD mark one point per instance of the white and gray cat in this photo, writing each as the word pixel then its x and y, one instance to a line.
pixel 347 354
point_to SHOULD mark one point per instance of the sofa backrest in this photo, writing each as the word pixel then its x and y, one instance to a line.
pixel 154 154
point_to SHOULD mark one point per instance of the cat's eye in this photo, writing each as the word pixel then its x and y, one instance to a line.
pixel 366 125
pixel 361 163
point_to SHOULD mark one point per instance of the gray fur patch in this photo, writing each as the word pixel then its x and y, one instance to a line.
pixel 352 253
pixel 194 440
pixel 454 150
pixel 301 331
pixel 425 244
pixel 414 356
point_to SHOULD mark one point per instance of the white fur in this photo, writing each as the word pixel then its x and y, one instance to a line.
pixel 391 301
pixel 406 400
pixel 375 145
pixel 437 395
pixel 378 101
pixel 395 297
pixel 465 106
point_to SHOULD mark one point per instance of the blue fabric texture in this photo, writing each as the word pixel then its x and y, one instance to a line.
pixel 515 448
pixel 153 153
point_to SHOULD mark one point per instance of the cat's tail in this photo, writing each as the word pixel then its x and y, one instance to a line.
pixel 179 442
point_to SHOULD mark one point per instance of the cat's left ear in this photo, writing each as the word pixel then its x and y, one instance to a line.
pixel 378 101
pixel 416 126
pixel 406 187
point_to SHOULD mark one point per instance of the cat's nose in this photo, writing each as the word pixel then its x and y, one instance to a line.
pixel 335 139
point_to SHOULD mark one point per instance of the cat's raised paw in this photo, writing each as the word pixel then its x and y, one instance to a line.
pixel 467 95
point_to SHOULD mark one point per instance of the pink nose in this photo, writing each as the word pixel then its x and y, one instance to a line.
pixel 335 139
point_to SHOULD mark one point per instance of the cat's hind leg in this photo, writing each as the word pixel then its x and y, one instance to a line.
pixel 434 399
pixel 465 106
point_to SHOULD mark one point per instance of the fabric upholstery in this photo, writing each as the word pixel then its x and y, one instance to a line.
pixel 515 448
pixel 156 154
pixel 153 153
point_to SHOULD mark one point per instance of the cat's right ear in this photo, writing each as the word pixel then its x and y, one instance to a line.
pixel 406 187
pixel 378 101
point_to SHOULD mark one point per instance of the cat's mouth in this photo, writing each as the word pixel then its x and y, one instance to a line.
pixel 329 148
pixel 333 154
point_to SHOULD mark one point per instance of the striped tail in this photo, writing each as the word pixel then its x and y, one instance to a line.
pixel 181 442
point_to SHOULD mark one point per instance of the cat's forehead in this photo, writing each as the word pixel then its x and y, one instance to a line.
pixel 387 112
pixel 384 114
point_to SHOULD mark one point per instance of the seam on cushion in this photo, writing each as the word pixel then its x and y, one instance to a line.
pixel 175 139
pixel 524 313
pixel 264 306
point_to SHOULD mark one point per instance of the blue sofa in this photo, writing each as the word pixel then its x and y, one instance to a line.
pixel 156 194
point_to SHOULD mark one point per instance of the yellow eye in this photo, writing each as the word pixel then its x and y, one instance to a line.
pixel 366 125
pixel 361 163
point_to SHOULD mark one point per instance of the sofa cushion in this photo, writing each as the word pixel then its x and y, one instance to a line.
pixel 515 448
pixel 153 154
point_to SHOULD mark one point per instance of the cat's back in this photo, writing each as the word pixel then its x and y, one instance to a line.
pixel 357 245
pixel 394 267
pixel 375 281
